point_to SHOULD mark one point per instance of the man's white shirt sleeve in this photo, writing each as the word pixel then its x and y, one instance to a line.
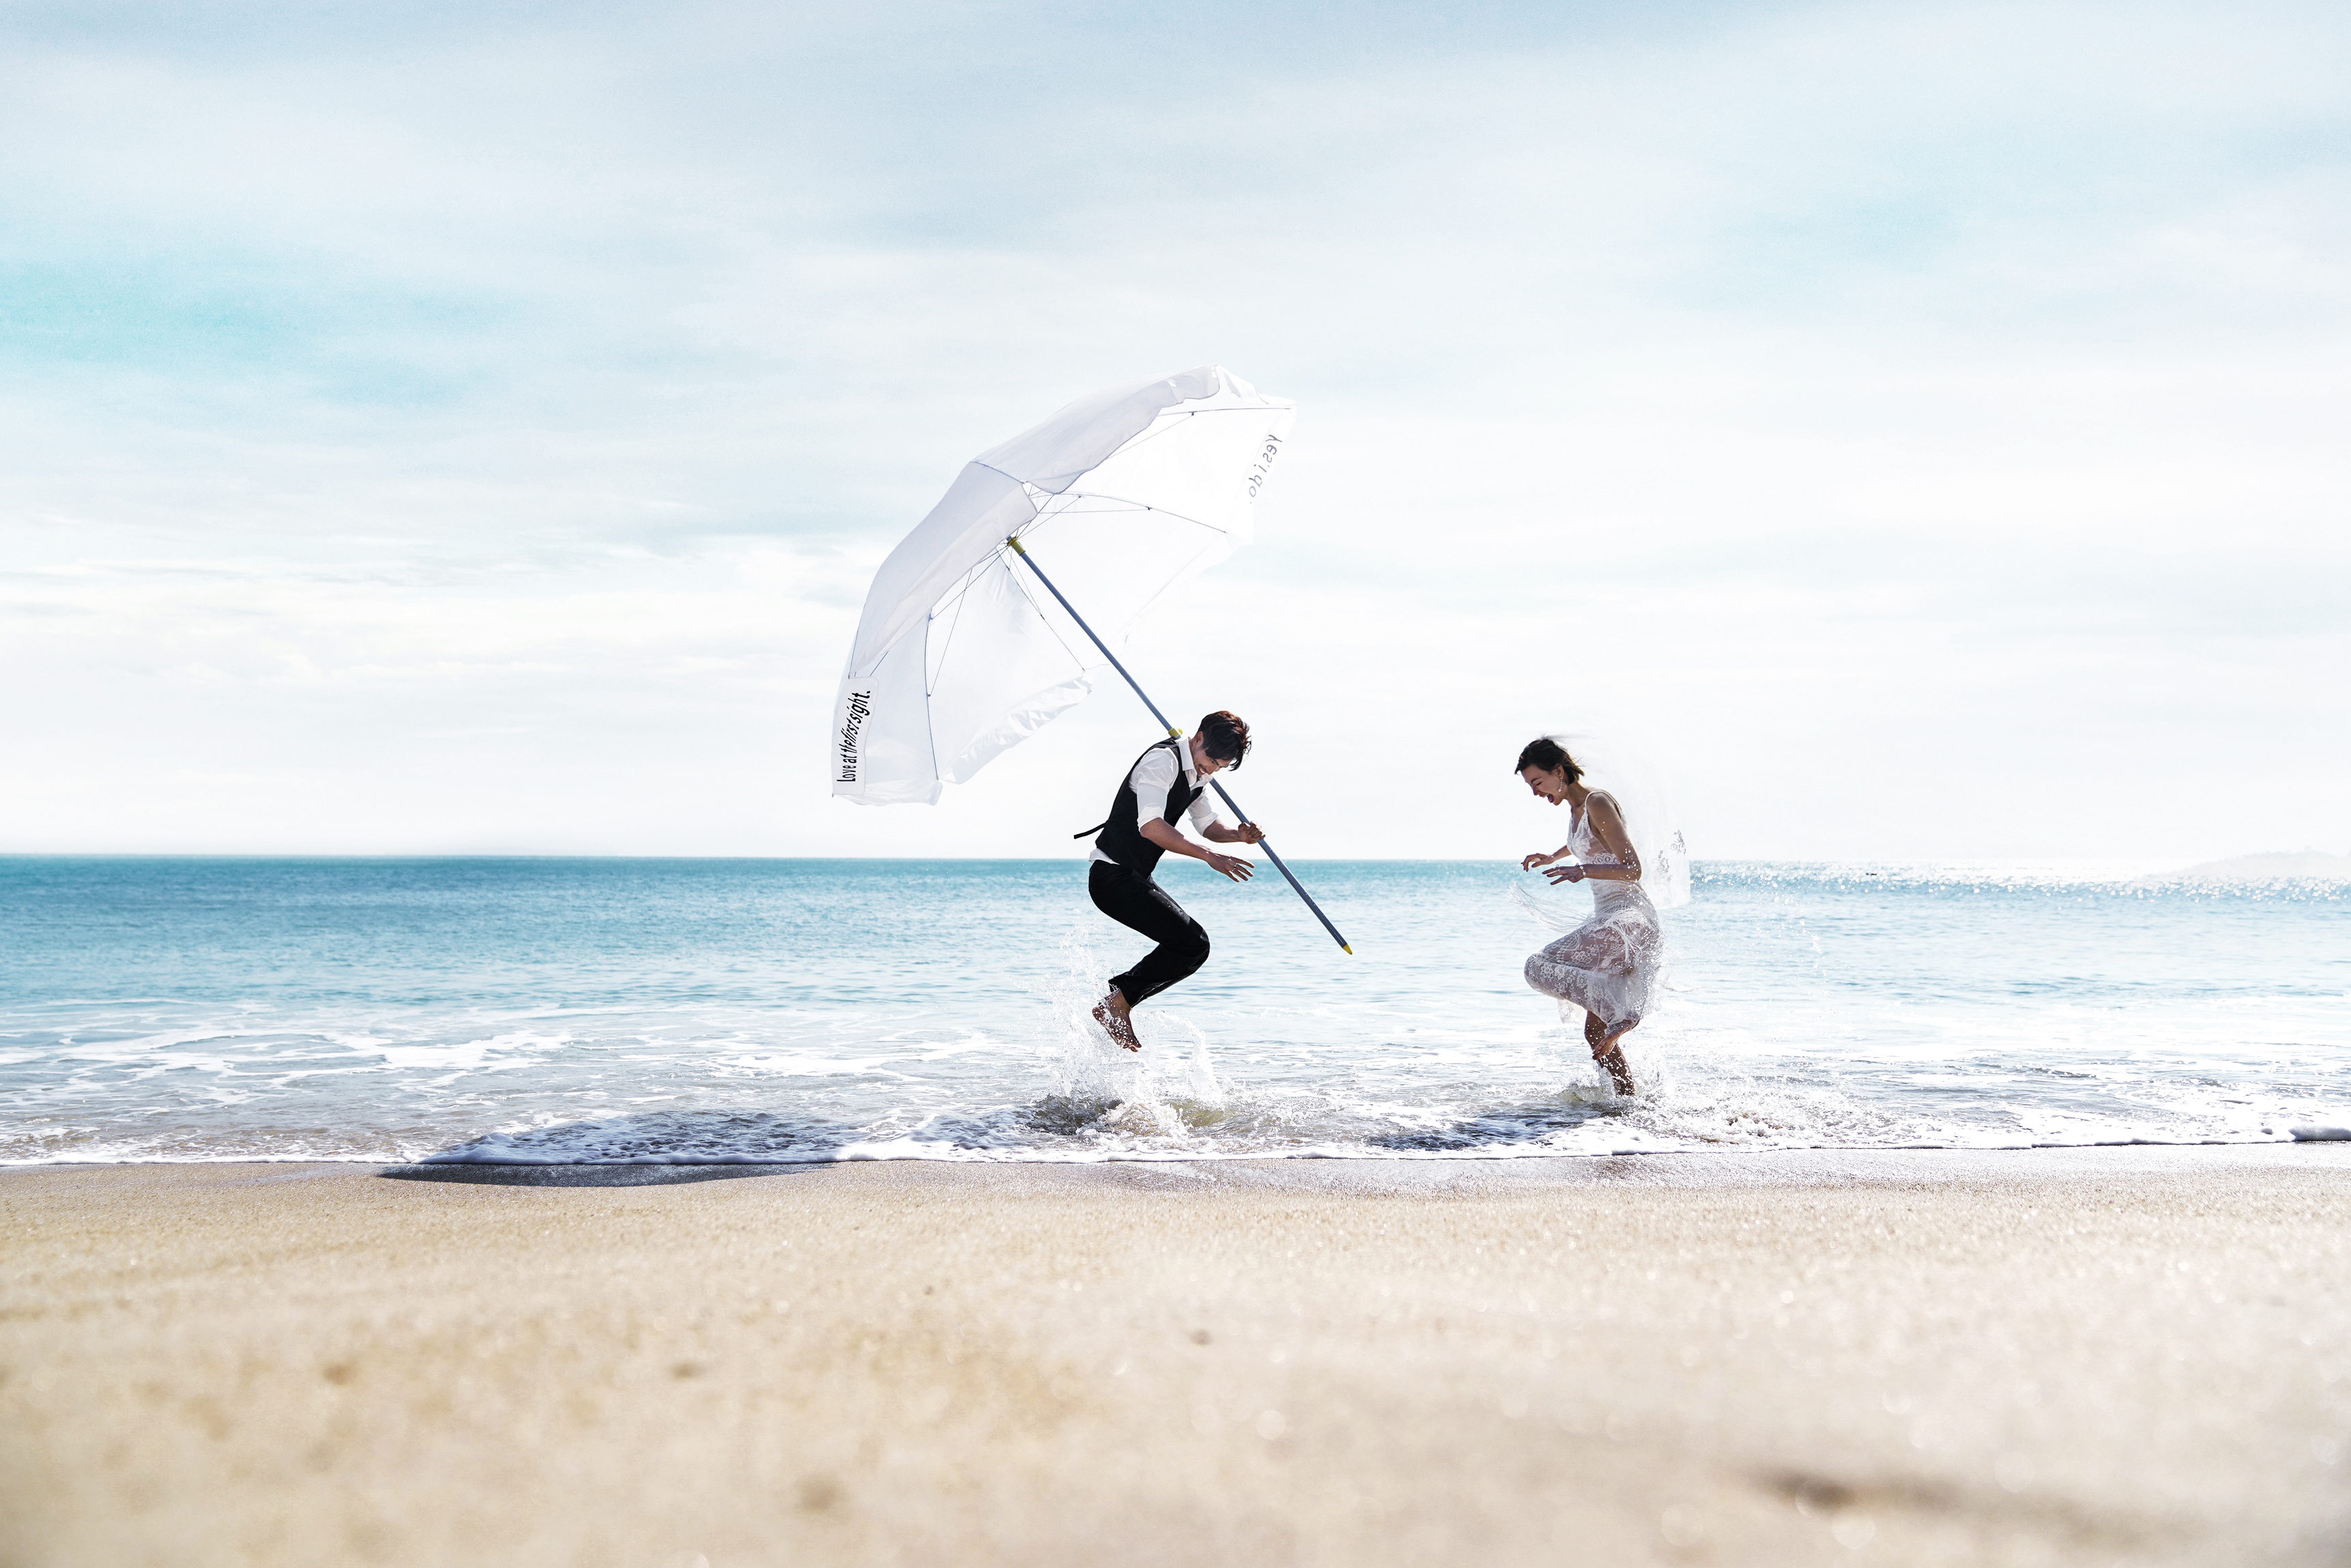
pixel 1152 777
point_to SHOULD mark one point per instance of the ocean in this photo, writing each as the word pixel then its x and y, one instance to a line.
pixel 775 1010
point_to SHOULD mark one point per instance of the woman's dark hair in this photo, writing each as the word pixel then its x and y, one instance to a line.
pixel 1227 737
pixel 1547 753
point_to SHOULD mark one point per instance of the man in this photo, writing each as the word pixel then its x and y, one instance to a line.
pixel 1167 783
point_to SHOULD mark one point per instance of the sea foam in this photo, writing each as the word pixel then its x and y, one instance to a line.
pixel 780 1011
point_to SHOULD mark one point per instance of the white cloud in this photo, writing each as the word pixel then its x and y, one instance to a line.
pixel 1921 423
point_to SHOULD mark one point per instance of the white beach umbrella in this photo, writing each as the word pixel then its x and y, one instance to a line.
pixel 1120 497
pixel 1107 504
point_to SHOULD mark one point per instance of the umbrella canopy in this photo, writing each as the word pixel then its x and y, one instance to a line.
pixel 1123 494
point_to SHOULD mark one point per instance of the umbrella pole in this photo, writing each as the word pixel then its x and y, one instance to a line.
pixel 1176 734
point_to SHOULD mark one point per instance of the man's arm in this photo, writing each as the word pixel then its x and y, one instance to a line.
pixel 1232 866
pixel 1202 815
pixel 1152 778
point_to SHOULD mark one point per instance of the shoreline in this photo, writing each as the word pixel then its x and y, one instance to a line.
pixel 2302 1137
pixel 2128 1353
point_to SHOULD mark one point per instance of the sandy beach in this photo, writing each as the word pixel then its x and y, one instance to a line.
pixel 2110 1356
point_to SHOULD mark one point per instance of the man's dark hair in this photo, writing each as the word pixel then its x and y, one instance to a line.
pixel 1226 736
pixel 1547 753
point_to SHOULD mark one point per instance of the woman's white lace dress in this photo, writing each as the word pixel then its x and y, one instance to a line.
pixel 1609 965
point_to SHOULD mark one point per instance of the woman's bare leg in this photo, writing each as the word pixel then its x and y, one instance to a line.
pixel 1603 1040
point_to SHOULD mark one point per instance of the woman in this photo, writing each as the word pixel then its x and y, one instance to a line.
pixel 1608 965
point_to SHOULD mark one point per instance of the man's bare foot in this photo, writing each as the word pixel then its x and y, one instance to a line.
pixel 1117 1020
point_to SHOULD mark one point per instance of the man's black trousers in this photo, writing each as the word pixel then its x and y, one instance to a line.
pixel 1136 901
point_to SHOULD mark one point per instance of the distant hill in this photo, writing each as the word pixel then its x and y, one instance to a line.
pixel 2297 865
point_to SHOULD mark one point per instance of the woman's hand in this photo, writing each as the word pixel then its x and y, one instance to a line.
pixel 1564 873
pixel 1535 860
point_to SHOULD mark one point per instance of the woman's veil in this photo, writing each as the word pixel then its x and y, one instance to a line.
pixel 1618 768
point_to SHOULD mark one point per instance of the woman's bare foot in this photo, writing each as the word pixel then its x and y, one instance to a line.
pixel 1117 1020
pixel 1612 1061
pixel 1603 1039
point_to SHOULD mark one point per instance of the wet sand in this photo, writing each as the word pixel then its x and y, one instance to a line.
pixel 2126 1355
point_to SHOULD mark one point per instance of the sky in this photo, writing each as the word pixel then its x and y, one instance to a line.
pixel 471 428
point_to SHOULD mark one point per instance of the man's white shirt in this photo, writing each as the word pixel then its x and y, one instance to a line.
pixel 1152 778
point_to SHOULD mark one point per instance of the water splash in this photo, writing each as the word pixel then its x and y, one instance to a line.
pixel 754 1011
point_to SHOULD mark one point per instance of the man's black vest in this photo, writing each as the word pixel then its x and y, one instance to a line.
pixel 1121 839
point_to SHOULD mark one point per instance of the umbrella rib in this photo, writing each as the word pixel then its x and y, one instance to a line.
pixel 953 596
pixel 1054 632
pixel 1171 425
pixel 1067 495
pixel 1149 435
pixel 952 606
pixel 1129 502
pixel 955 620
